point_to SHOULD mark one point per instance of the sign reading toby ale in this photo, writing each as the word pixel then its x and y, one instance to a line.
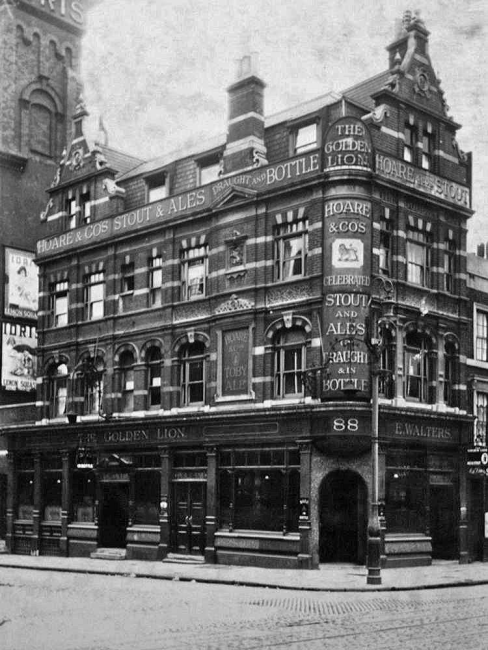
pixel 348 144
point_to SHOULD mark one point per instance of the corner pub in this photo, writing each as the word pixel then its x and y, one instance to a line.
pixel 206 329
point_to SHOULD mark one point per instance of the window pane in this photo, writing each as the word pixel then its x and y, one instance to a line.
pixel 306 138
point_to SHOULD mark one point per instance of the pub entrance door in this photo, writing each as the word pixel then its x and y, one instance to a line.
pixel 114 514
pixel 343 518
pixel 189 499
pixel 443 525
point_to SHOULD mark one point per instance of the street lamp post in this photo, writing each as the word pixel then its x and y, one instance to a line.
pixel 375 347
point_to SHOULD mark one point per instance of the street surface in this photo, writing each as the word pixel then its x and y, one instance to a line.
pixel 45 610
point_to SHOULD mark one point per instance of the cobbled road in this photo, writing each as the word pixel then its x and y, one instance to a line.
pixel 44 610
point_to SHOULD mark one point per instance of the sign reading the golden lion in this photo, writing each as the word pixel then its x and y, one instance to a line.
pixel 348 144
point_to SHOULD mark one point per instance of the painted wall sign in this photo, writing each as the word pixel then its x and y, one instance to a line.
pixel 406 429
pixel 422 180
pixel 21 288
pixel 19 349
pixel 183 204
pixel 235 362
pixel 347 276
pixel 348 144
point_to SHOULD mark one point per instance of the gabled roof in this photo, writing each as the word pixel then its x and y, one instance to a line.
pixel 361 92
pixel 119 160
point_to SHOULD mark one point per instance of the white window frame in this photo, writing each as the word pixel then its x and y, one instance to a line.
pixel 156 281
pixel 284 258
pixel 193 283
pixel 94 306
pixel 305 138
pixel 59 295
pixel 157 187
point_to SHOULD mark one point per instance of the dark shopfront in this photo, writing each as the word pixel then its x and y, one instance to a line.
pixel 212 491
pixel 154 490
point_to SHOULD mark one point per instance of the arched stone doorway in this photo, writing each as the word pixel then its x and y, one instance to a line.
pixel 343 518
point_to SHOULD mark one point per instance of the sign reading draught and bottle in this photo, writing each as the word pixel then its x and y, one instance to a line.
pixel 347 272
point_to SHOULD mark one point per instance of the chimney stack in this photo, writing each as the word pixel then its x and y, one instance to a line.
pixel 245 135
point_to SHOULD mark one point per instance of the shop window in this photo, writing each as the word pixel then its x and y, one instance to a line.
pixel 481 335
pixel 427 148
pixel 405 500
pixel 25 489
pixel 84 496
pixel 157 187
pixel 94 295
pixel 289 357
pixel 51 495
pixel 450 373
pixel 305 138
pixel 126 372
pixel 153 360
pixel 192 364
pixel 156 281
pixel 147 486
pixel 208 170
pixel 419 368
pixel 291 244
pixel 449 264
pixel 481 419
pixel 410 139
pixel 419 244
pixel 58 294
pixel 259 489
pixel 193 272
pixel 58 390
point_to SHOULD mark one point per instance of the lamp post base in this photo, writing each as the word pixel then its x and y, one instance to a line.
pixel 374 552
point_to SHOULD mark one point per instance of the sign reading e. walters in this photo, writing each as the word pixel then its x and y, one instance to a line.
pixel 187 203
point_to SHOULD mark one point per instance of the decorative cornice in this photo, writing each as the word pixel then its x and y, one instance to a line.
pixel 234 304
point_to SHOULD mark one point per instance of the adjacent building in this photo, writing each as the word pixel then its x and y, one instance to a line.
pixel 207 327
pixel 39 83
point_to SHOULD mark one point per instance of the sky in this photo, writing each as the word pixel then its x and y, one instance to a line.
pixel 157 70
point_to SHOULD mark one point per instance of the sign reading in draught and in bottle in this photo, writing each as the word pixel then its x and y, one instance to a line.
pixel 347 259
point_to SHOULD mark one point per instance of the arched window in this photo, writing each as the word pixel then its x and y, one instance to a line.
pixel 89 378
pixel 126 365
pixel 289 363
pixel 419 367
pixel 153 361
pixel 58 390
pixel 192 378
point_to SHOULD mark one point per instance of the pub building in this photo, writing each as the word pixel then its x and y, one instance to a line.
pixel 206 328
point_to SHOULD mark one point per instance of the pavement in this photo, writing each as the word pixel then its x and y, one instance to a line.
pixel 329 577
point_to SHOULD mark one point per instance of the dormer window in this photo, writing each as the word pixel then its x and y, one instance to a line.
pixel 427 147
pixel 208 170
pixel 71 212
pixel 157 187
pixel 409 146
pixel 305 138
pixel 85 205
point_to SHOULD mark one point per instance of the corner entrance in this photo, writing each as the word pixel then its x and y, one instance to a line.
pixel 114 515
pixel 343 518
pixel 189 517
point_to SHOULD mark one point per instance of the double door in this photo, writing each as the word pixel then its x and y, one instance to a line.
pixel 189 499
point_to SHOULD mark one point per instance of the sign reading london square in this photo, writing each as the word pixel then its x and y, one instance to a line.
pixel 348 144
pixel 180 205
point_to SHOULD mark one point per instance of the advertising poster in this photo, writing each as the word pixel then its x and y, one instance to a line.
pixel 19 343
pixel 21 289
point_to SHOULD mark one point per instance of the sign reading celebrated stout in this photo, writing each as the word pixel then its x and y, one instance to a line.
pixel 235 362
pixel 348 144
